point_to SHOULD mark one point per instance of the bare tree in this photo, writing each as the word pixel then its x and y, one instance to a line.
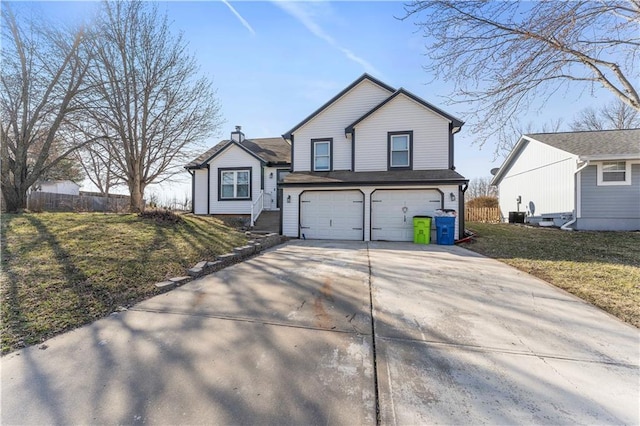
pixel 42 75
pixel 611 116
pixel 505 56
pixel 98 166
pixel 151 105
pixel 481 187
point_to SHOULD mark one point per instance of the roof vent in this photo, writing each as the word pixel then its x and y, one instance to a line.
pixel 237 136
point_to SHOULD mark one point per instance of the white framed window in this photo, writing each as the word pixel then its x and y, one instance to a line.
pixel 321 155
pixel 614 173
pixel 235 184
pixel 400 144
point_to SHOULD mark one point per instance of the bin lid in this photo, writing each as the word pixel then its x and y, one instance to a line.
pixel 422 217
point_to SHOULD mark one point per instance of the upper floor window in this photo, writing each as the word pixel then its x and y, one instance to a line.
pixel 321 159
pixel 400 147
pixel 614 173
pixel 235 184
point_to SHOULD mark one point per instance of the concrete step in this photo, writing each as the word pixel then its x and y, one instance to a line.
pixel 268 221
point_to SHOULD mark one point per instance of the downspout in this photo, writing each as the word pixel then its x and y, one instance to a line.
pixel 461 210
pixel 566 226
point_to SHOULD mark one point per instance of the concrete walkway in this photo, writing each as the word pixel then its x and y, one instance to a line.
pixel 287 338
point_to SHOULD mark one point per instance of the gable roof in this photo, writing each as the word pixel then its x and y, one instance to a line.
pixel 336 97
pixel 265 150
pixel 457 124
pixel 587 145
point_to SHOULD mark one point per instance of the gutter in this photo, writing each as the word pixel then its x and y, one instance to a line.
pixel 566 226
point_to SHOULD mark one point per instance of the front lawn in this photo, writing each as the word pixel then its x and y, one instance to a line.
pixel 602 268
pixel 63 270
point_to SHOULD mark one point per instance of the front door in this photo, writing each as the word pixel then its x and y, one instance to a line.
pixel 281 175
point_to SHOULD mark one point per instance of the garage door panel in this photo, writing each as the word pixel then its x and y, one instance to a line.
pixel 392 212
pixel 332 215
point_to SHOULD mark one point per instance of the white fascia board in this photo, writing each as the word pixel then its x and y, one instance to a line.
pixel 506 165
pixel 608 157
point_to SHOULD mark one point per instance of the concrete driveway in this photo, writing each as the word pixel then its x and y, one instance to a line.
pixel 288 338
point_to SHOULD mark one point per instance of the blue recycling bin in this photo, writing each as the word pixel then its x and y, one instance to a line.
pixel 445 229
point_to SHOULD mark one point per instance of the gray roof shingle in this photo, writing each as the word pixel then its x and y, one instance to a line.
pixel 271 150
pixel 593 143
pixel 409 177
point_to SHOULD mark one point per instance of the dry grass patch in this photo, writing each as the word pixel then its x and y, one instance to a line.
pixel 602 268
pixel 63 270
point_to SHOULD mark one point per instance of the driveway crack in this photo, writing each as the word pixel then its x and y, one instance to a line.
pixel 373 340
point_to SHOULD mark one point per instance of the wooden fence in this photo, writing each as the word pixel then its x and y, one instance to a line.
pixel 482 214
pixel 50 202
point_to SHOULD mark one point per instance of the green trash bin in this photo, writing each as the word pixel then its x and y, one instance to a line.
pixel 421 229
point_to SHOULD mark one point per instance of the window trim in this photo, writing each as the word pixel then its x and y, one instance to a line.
pixel 235 183
pixel 601 172
pixel 313 154
pixel 389 139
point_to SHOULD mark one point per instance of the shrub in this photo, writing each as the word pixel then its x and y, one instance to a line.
pixel 484 201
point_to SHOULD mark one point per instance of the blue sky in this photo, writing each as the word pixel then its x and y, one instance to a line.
pixel 274 63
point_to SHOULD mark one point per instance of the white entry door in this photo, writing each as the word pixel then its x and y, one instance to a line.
pixel 392 211
pixel 332 215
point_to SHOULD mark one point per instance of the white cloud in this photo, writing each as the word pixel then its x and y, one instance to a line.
pixel 305 13
pixel 240 18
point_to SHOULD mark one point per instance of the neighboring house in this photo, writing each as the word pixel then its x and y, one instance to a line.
pixel 238 175
pixel 366 162
pixel 67 187
pixel 586 180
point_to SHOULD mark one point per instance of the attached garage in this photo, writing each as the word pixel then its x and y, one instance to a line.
pixel 332 215
pixel 392 211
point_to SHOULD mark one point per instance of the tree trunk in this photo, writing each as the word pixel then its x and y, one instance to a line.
pixel 136 191
pixel 14 199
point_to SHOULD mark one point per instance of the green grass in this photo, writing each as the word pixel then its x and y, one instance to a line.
pixel 602 268
pixel 63 270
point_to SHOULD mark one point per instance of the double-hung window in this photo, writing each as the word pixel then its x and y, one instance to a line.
pixel 235 184
pixel 614 173
pixel 400 145
pixel 321 160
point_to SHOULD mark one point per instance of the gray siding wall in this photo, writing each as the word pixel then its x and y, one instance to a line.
pixel 609 207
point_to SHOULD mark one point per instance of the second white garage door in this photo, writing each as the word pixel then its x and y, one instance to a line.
pixel 392 211
pixel 332 215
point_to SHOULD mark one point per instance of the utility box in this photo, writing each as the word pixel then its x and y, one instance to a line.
pixel 421 229
pixel 445 228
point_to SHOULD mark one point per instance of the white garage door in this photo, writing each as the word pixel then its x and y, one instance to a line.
pixel 392 211
pixel 332 215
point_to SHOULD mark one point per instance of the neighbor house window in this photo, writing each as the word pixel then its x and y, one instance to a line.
pixel 400 145
pixel 321 160
pixel 614 173
pixel 235 184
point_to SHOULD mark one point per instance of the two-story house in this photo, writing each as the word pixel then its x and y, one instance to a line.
pixel 366 162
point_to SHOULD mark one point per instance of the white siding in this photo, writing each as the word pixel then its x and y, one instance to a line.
pixel 331 123
pixel 200 195
pixel 234 157
pixel 290 215
pixel 430 136
pixel 60 187
pixel 542 175
pixel 290 211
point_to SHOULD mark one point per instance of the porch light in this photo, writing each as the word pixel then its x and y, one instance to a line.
pixel 288 198
pixel 452 196
pixel 271 175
